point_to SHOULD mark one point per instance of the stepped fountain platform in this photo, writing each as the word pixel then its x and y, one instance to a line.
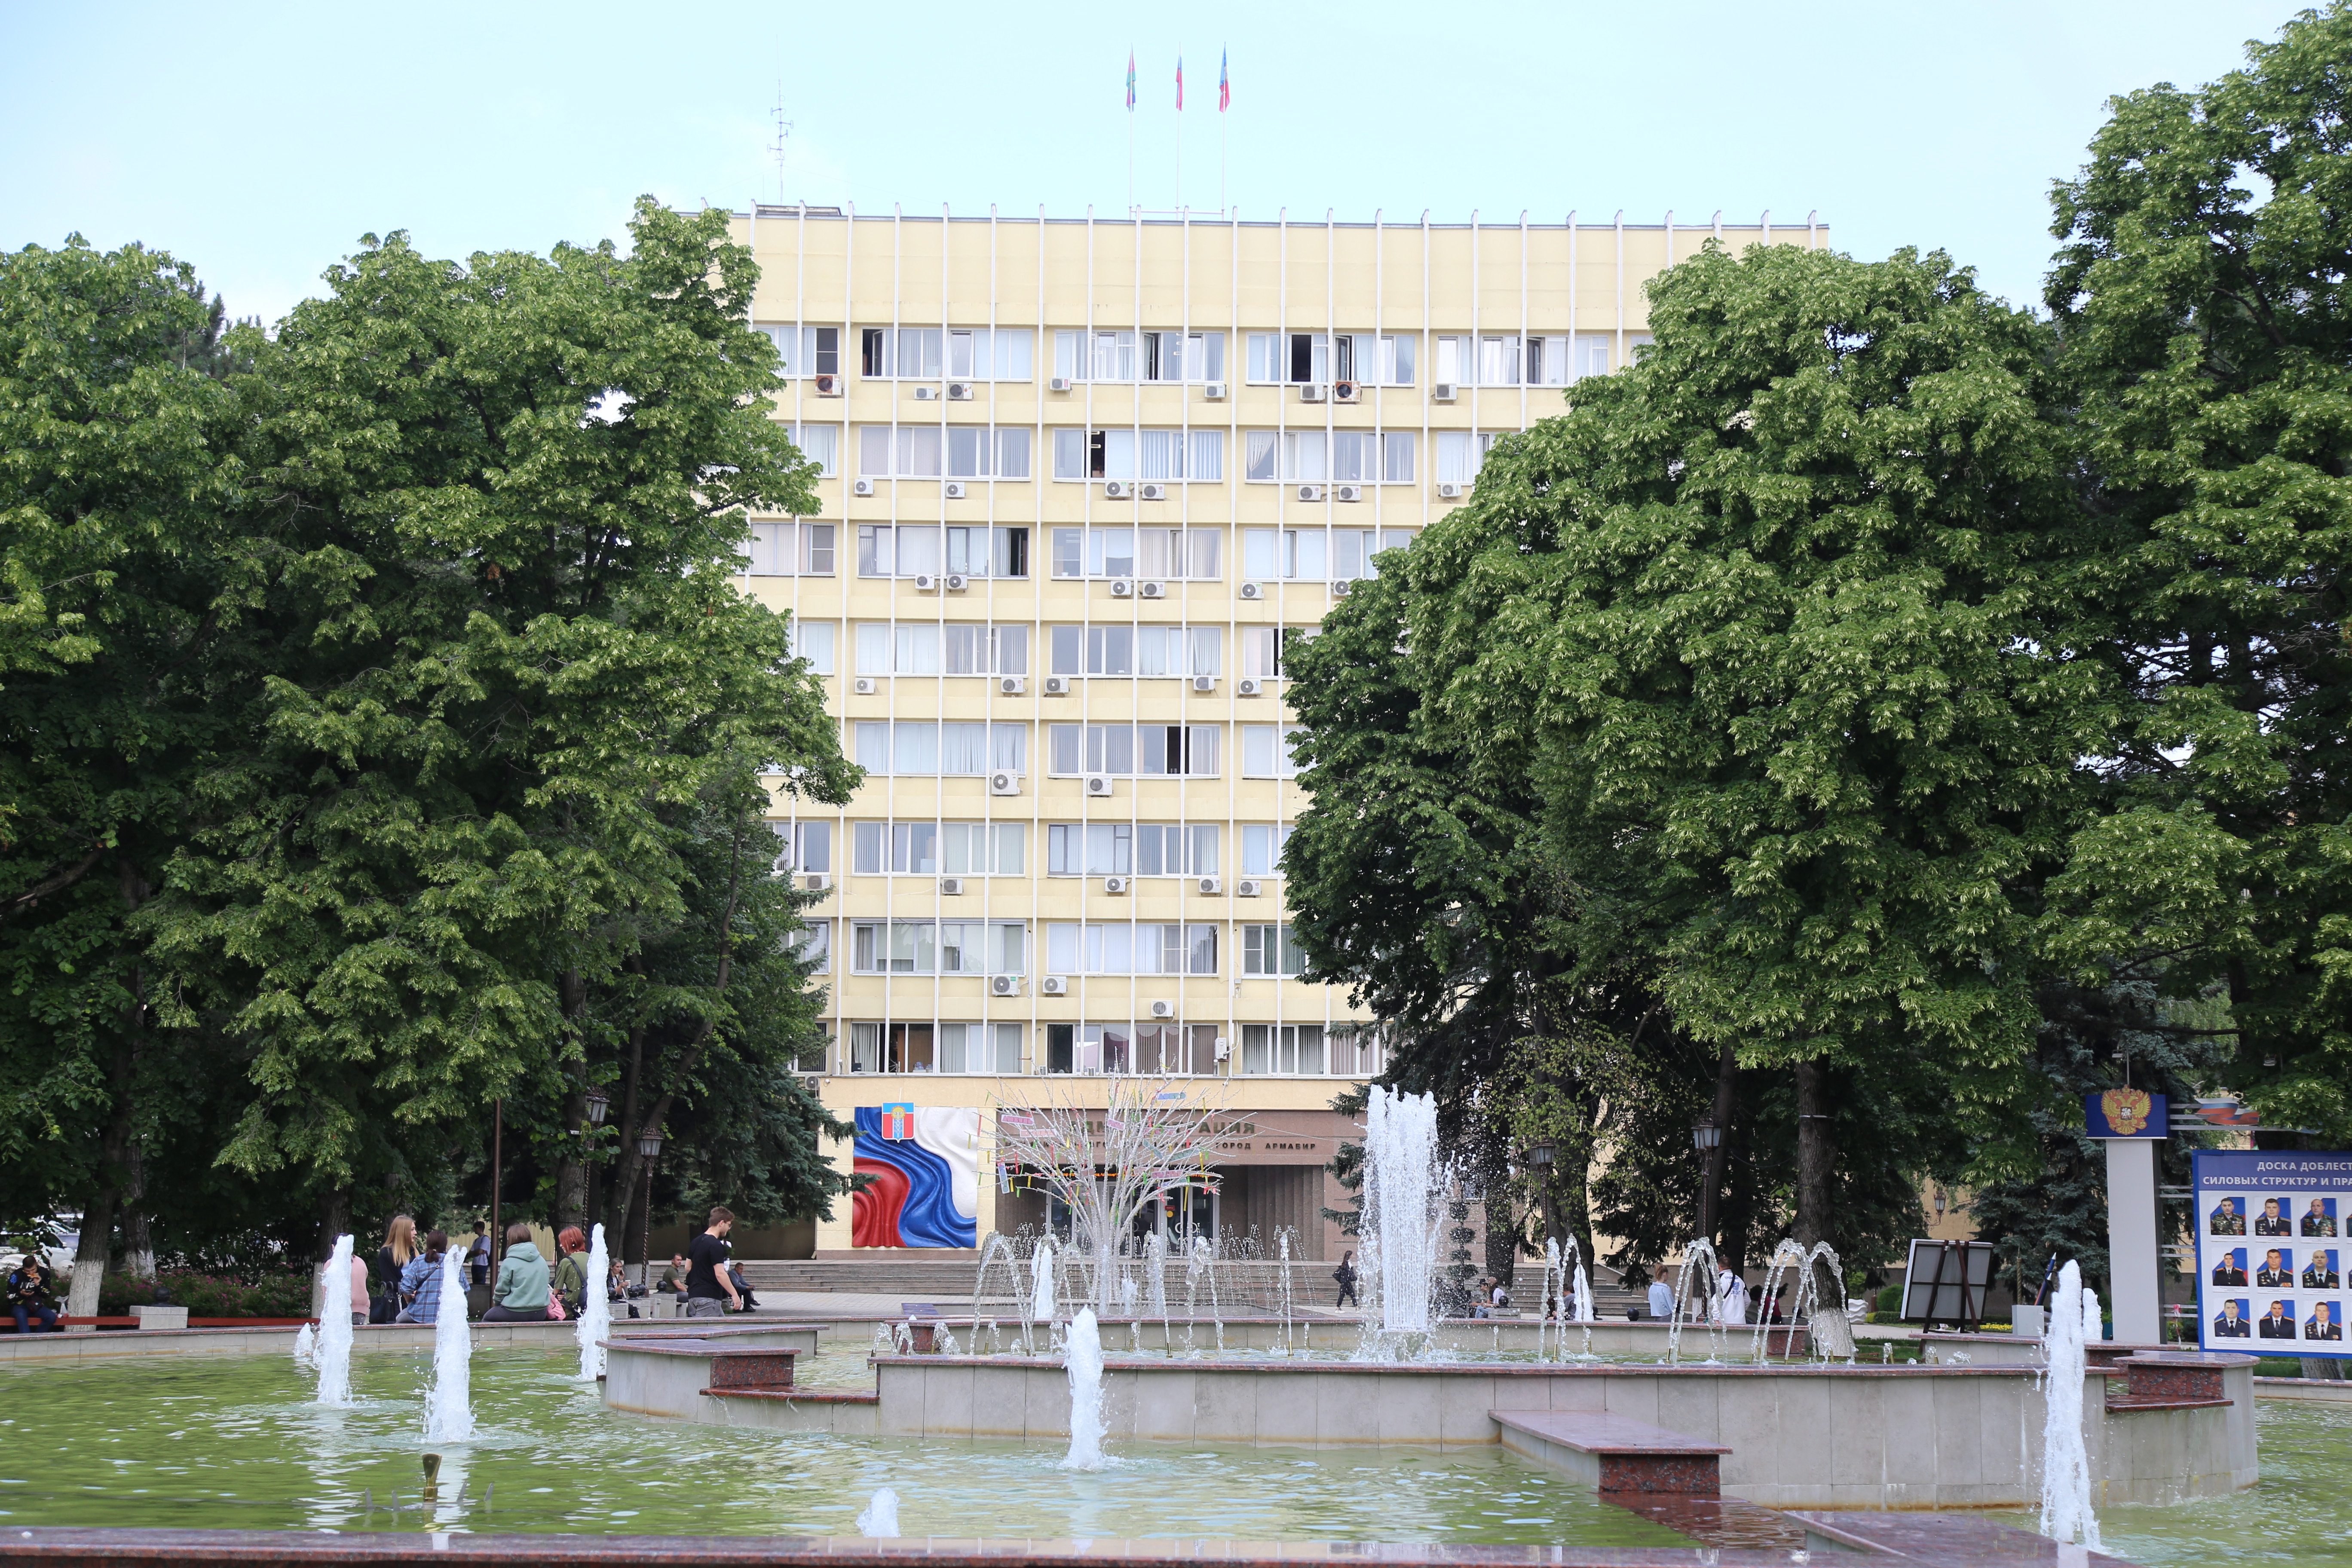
pixel 2157 1428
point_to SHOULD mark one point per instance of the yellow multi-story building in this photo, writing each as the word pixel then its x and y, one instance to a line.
pixel 1081 479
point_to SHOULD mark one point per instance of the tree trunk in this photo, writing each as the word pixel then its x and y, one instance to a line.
pixel 1816 1163
pixel 335 1221
pixel 138 1242
pixel 117 1173
pixel 639 1216
pixel 1710 1194
pixel 90 1254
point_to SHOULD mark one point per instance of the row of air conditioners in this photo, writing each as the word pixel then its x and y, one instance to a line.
pixel 957 392
pixel 1010 783
pixel 1214 391
pixel 1066 685
pixel 1123 489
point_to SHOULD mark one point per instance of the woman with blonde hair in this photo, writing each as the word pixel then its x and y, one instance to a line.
pixel 392 1259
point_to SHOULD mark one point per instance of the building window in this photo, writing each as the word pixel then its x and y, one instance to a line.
pixel 1318 359
pixel 805 350
pixel 1316 554
pixel 965 353
pixel 1290 1049
pixel 980 1047
pixel 812 945
pixel 914 452
pixel 1127 749
pixel 956 648
pixel 803 847
pixel 1146 650
pixel 1130 850
pixel 1316 457
pixel 938 849
pixel 791 549
pixel 1263 757
pixel 937 947
pixel 1115 354
pixel 1262 844
pixel 1358 1050
pixel 924 747
pixel 1270 950
pixel 1192 553
pixel 922 550
pixel 812 640
pixel 1462 453
pixel 1131 454
pixel 1122 947
pixel 1265 650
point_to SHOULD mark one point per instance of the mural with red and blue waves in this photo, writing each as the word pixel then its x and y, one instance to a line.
pixel 925 1165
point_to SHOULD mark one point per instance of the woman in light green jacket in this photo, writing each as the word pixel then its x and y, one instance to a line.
pixel 520 1294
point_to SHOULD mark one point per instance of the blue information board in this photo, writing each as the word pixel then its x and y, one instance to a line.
pixel 2271 1250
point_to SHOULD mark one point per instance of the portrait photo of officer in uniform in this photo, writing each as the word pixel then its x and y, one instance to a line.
pixel 2320 1219
pixel 2319 1274
pixel 2277 1272
pixel 2278 1323
pixel 2233 1323
pixel 2228 1218
pixel 2273 1220
pixel 2323 1323
pixel 2229 1268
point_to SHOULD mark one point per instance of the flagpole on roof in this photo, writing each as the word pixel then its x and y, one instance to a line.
pixel 1179 132
pixel 1224 97
pixel 1130 133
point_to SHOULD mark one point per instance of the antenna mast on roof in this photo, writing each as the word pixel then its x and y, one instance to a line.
pixel 782 140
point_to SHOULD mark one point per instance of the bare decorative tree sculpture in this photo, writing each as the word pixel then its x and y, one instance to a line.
pixel 1108 1166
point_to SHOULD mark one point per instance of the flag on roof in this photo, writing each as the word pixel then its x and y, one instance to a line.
pixel 1225 86
pixel 1179 82
pixel 1130 81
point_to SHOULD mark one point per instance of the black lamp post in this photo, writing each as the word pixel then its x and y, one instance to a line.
pixel 599 1103
pixel 649 1142
pixel 1707 1137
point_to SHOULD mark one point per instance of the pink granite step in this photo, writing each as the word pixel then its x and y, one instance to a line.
pixel 1614 1454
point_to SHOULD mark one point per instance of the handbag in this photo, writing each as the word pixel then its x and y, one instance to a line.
pixel 555 1312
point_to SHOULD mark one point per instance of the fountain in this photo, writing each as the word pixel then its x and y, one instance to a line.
pixel 2066 1514
pixel 1400 1216
pixel 879 1518
pixel 449 1402
pixel 306 1348
pixel 595 1321
pixel 1085 1362
pixel 333 1350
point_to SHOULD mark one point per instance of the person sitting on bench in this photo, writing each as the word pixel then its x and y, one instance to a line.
pixel 32 1293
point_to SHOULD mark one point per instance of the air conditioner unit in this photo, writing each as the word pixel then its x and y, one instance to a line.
pixel 1004 781
pixel 1248 686
pixel 1211 887
pixel 955 581
pixel 955 489
pixel 1449 493
pixel 1341 586
pixel 1057 686
pixel 1119 490
pixel 861 487
pixel 951 886
pixel 1012 685
pixel 1054 986
pixel 1163 1009
pixel 1099 785
pixel 1154 493
pixel 816 882
pixel 812 1083
pixel 926 395
pixel 958 392
pixel 1248 887
pixel 1346 492
pixel 828 387
pixel 1224 1050
pixel 1122 587
pixel 1314 391
pixel 1004 985
pixel 1151 589
pixel 1204 683
pixel 1114 884
pixel 1310 492
pixel 865 685
pixel 926 583
pixel 1251 591
pixel 1345 392
pixel 1059 383
pixel 1442 392
pixel 1214 391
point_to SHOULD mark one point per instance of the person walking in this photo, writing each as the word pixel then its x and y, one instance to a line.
pixel 708 1290
pixel 33 1293
pixel 1345 1275
pixel 420 1282
pixel 1662 1300
pixel 570 1280
pixel 520 1294
pixel 392 1261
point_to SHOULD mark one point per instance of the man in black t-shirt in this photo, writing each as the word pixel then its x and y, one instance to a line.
pixel 707 1289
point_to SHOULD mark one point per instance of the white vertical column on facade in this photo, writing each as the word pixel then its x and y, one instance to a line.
pixel 940 678
pixel 1237 360
pixel 1085 679
pixel 890 991
pixel 1813 229
pixel 1524 324
pixel 1617 353
pixel 986 638
pixel 1041 472
pixel 1135 607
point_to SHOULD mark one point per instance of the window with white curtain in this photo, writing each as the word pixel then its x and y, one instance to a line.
pixel 1131 849
pixel 1262 844
pixel 1270 950
pixel 1148 651
pixel 794 549
pixel 939 849
pixel 821 444
pixel 805 349
pixel 1157 455
pixel 1266 751
pixel 1123 354
pixel 920 747
pixel 912 550
pixel 1171 750
pixel 1121 947
pixel 956 648
pixel 812 640
pixel 1314 457
pixel 1138 553
pixel 1462 453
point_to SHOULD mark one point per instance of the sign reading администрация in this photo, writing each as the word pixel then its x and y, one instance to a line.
pixel 2271 1250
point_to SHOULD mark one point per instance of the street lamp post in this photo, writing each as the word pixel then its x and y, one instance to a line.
pixel 1707 1137
pixel 650 1146
pixel 1541 1153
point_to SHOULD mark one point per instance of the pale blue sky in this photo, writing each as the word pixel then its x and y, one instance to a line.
pixel 258 140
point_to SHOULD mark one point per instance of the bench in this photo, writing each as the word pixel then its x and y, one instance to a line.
pixel 1614 1454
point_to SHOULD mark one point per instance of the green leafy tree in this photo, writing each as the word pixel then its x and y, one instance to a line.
pixel 1773 631
pixel 2204 292
pixel 505 498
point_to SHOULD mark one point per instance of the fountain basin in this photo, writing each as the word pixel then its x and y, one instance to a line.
pixel 1831 1437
